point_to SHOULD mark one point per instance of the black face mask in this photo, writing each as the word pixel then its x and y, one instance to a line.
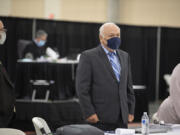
pixel 114 43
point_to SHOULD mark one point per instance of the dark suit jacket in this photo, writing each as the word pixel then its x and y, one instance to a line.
pixel 98 89
pixel 34 50
pixel 7 98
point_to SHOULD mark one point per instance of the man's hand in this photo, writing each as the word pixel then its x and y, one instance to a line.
pixel 130 118
pixel 93 118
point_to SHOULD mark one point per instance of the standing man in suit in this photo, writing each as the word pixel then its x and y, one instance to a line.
pixel 104 82
pixel 7 96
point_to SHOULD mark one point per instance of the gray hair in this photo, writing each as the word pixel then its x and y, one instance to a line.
pixel 101 29
pixel 40 33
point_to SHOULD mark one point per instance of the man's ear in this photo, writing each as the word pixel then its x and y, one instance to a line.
pixel 100 38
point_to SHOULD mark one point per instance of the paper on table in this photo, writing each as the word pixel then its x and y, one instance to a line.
pixel 123 131
pixel 51 53
pixel 175 128
pixel 109 134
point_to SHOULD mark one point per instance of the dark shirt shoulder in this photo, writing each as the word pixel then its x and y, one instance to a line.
pixel 33 49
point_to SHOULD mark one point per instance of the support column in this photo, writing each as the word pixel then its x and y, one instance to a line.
pixel 33 28
pixel 113 10
pixel 158 62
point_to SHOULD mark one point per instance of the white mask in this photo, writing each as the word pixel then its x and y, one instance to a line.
pixel 2 37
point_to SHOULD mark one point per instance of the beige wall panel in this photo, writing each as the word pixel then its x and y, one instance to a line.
pixel 150 12
pixel 28 8
pixel 52 7
pixel 135 12
pixel 84 10
pixel 5 7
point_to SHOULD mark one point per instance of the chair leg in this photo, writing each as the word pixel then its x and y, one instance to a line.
pixel 33 94
pixel 47 95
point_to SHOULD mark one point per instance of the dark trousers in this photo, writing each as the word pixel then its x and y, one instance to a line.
pixel 6 121
pixel 109 127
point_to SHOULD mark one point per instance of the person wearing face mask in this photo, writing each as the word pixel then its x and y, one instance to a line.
pixel 104 82
pixel 37 47
pixel 7 95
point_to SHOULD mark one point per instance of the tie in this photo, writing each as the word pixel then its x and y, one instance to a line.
pixel 115 65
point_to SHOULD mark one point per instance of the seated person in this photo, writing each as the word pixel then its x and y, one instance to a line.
pixel 169 110
pixel 37 47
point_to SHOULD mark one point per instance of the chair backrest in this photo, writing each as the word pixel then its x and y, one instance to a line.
pixel 11 131
pixel 21 45
pixel 40 126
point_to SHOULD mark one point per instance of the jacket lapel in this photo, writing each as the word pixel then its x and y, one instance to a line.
pixel 105 60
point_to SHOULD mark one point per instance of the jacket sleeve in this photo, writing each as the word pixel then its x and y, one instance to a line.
pixel 130 91
pixel 83 85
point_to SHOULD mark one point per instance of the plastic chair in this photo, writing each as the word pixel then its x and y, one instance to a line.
pixel 41 126
pixel 21 45
pixel 41 84
pixel 11 131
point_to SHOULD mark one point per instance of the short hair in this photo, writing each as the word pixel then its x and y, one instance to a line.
pixel 101 29
pixel 40 33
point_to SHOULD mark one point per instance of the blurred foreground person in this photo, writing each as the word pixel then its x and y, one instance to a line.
pixel 169 110
pixel 7 96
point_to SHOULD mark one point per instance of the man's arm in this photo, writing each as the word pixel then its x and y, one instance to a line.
pixel 130 93
pixel 27 52
pixel 83 85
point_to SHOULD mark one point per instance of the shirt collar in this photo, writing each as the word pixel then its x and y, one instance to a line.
pixel 106 51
